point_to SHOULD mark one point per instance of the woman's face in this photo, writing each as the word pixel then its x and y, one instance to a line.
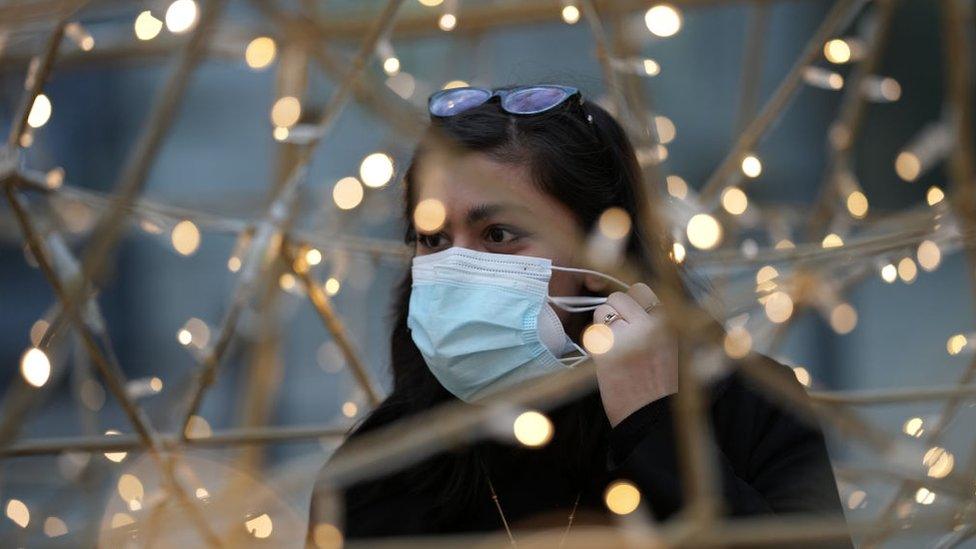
pixel 495 207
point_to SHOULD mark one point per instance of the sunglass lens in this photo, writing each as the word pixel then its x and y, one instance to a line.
pixel 452 102
pixel 534 100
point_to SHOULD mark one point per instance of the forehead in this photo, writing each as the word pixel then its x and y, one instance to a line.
pixel 463 182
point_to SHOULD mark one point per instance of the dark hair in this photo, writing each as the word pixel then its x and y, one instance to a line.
pixel 579 155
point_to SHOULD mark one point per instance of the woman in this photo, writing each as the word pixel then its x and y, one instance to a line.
pixel 525 164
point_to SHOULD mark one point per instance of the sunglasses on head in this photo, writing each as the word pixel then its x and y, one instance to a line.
pixel 524 100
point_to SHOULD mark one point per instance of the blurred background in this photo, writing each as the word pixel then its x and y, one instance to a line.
pixel 170 283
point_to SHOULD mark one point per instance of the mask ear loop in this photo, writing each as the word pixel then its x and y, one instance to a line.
pixel 574 361
pixel 583 304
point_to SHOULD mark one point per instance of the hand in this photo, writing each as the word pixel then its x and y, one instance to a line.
pixel 641 365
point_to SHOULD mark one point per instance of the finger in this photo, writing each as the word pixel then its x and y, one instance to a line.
pixel 643 295
pixel 626 306
pixel 601 312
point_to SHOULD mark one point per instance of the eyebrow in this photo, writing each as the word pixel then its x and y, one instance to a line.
pixel 485 211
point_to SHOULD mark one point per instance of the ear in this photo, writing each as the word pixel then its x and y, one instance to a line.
pixel 595 283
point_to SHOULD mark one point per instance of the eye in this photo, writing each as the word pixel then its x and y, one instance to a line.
pixel 497 234
pixel 435 240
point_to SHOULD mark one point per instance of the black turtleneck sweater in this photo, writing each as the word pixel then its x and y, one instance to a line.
pixel 769 462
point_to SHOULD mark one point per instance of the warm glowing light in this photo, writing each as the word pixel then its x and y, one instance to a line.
pixel 598 338
pixel 198 427
pixel 391 65
pixel 908 166
pixel 704 231
pixel 663 20
pixel 146 26
pixel 889 273
pixel 347 193
pixel 455 84
pixel 349 409
pixel 939 462
pixel 130 488
pixel 121 519
pixel 260 52
pixel 313 256
pixel 54 527
pixel 327 536
pixel 201 493
pixel 924 496
pixel 651 67
pixel 40 111
pixel 376 170
pixel 571 14
pixel 181 15
pixel 666 130
pixel 913 427
pixel 677 187
pixel 234 264
pixel 332 286
pixel 431 3
pixel 286 111
pixel 259 526
pixel 857 204
pixel 17 511
pixel 35 367
pixel 429 215
pixel 779 307
pixel 737 342
pixel 907 270
pixel 532 429
pixel 843 318
pixel 934 195
pixel 37 331
pixel 280 134
pixel 956 344
pixel 185 237
pixel 287 282
pixel 156 384
pixel 766 275
pixel 447 22
pixel 614 223
pixel 929 255
pixel 117 457
pixel 184 336
pixel 622 497
pixel 734 200
pixel 194 331
pixel 837 51
pixel 889 89
pixel 802 375
pixel 832 240
pixel 751 166
pixel 785 244
pixel 678 252
pixel 856 498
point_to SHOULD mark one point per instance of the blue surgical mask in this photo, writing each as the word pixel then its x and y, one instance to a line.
pixel 484 322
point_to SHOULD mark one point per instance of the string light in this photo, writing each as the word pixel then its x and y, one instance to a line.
pixel 677 187
pixel 347 193
pixel 956 343
pixel 934 195
pixel 40 111
pixel 837 51
pixel 327 536
pixel 349 409
pixel 332 286
pixel 734 200
pixel 79 36
pixel 116 457
pixel 929 255
pixel 881 89
pixel 35 367
pixel 18 512
pixel 678 252
pixel 313 256
pixel 181 16
pixel 598 338
pixel 751 166
pixel 185 237
pixel 823 78
pixel 54 527
pixel 857 204
pixel 622 497
pixel 146 26
pixel 130 488
pixel 286 111
pixel 532 429
pixel 197 428
pixel 704 231
pixel 260 52
pixel 802 375
pixel 280 134
pixel 663 20
pixel 737 342
pixel 429 215
pixel 832 240
pixel 666 130
pixel 907 270
pixel 455 84
pixel 431 3
pixel 889 273
pixel 121 519
pixel 391 65
pixel 925 496
pixel 939 461
pixel 260 526
pixel 614 223
pixel 856 499
pixel 778 307
pixel 650 67
pixel 571 14
pixel 913 427
pixel 843 318
pixel 376 170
